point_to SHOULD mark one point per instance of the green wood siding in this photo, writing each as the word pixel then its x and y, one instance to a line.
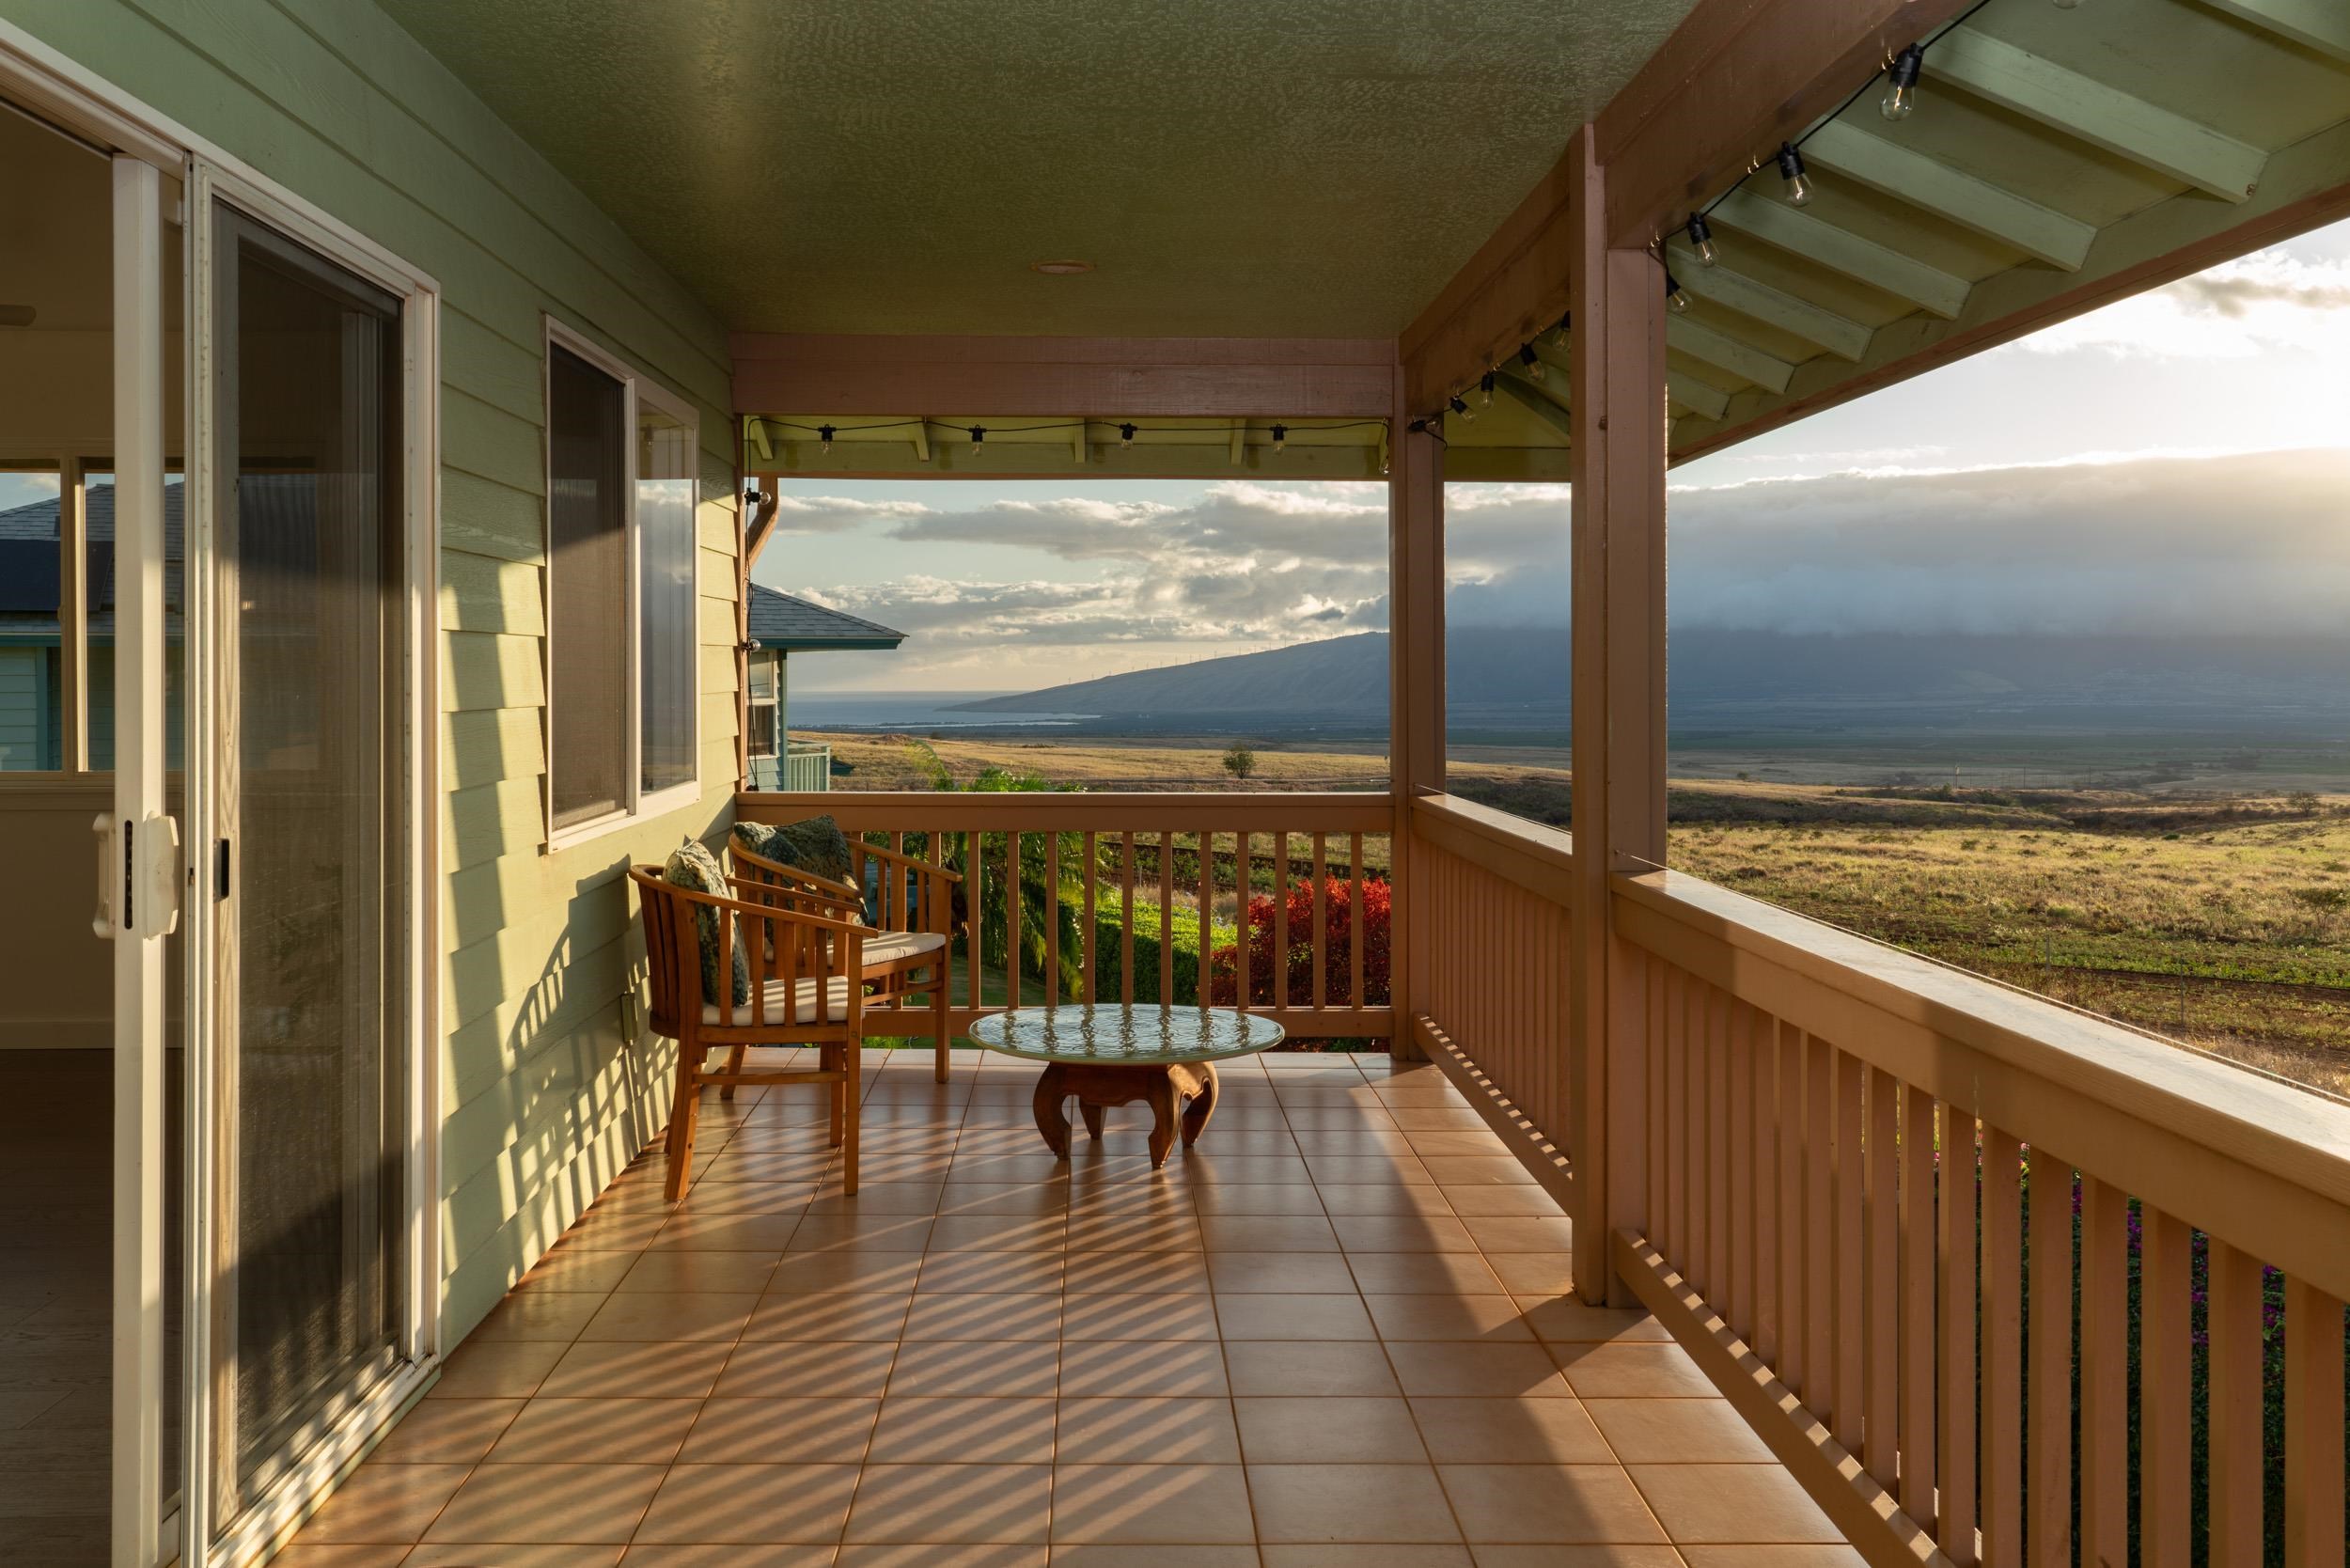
pixel 547 1082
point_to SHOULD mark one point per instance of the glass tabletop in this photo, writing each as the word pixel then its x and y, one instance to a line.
pixel 1118 1035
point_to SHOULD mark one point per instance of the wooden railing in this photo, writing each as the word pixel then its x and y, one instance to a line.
pixel 1132 897
pixel 1897 1212
pixel 1491 892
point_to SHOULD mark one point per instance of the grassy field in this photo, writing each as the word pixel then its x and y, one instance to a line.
pixel 2220 920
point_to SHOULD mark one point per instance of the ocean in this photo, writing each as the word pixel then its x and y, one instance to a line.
pixel 915 713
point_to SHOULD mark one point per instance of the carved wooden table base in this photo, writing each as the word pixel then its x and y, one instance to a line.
pixel 1163 1088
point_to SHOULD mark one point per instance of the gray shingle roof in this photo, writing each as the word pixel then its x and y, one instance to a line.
pixel 784 621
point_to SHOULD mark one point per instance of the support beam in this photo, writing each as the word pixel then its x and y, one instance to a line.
pixel 1839 250
pixel 922 441
pixel 756 429
pixel 1736 78
pixel 1732 289
pixel 2088 109
pixel 1895 170
pixel 1724 353
pixel 1043 378
pixel 1416 686
pixel 1617 547
pixel 1536 402
pixel 1694 396
pixel 1080 444
pixel 2320 24
pixel 1239 442
pixel 762 526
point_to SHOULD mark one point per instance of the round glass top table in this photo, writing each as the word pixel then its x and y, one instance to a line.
pixel 1112 1054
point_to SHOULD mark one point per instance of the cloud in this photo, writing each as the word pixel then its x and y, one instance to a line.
pixel 2253 304
pixel 2167 545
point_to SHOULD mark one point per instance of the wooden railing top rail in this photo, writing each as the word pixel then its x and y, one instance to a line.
pixel 1537 858
pixel 1079 811
pixel 2261 1164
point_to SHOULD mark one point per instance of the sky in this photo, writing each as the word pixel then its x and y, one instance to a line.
pixel 2177 461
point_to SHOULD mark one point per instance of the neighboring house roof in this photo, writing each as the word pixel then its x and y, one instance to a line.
pixel 787 621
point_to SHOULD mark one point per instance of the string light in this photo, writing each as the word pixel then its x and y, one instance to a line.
pixel 1281 437
pixel 1485 390
pixel 1673 295
pixel 1533 361
pixel 1701 236
pixel 1901 95
pixel 825 435
pixel 1126 437
pixel 1791 169
pixel 1461 407
pixel 979 433
pixel 1564 332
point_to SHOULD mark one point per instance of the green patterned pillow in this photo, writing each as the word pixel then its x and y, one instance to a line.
pixel 691 866
pixel 816 845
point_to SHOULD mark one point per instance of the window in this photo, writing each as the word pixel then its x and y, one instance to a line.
pixel 623 726
pixel 762 707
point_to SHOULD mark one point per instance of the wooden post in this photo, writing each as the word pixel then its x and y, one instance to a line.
pixel 1415 694
pixel 1617 464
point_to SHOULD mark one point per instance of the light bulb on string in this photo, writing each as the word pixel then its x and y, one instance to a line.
pixel 1702 237
pixel 1485 390
pixel 1791 169
pixel 1533 361
pixel 1563 333
pixel 1281 437
pixel 1460 406
pixel 979 433
pixel 1674 296
pixel 1126 437
pixel 1900 84
pixel 824 437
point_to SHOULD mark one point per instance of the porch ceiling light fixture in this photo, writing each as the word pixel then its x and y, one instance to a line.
pixel 1674 295
pixel 1460 406
pixel 1702 237
pixel 1901 79
pixel 1485 390
pixel 1533 361
pixel 1281 437
pixel 1126 437
pixel 824 436
pixel 979 433
pixel 1061 269
pixel 1791 169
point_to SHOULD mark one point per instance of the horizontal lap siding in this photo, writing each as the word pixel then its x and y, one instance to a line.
pixel 547 1085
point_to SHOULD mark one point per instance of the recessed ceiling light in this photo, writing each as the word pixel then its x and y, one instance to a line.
pixel 1061 269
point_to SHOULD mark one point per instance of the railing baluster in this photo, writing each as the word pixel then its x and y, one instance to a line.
pixel 1952 1360
pixel 975 855
pixel 1207 914
pixel 2050 1412
pixel 1012 945
pixel 1717 1141
pixel 2232 1328
pixel 1675 1245
pixel 1919 1242
pixel 1093 930
pixel 1240 919
pixel 2001 1446
pixel 1850 1339
pixel 2105 1330
pixel 1792 1360
pixel 1354 927
pixel 1322 922
pixel 1762 1049
pixel 1881 1381
pixel 1166 919
pixel 1820 1226
pixel 1126 917
pixel 2313 1446
pixel 2166 1412
pixel 1656 1025
pixel 1738 1292
pixel 1052 919
pixel 1281 918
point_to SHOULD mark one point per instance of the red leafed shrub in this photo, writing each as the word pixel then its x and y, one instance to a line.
pixel 1338 947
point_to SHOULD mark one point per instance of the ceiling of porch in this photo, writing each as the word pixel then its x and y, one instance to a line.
pixel 1229 167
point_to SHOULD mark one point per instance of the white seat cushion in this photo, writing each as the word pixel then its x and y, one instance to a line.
pixel 780 999
pixel 895 946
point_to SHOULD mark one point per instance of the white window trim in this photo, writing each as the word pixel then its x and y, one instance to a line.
pixel 636 388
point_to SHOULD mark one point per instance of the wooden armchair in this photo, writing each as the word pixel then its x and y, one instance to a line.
pixel 806 989
pixel 914 917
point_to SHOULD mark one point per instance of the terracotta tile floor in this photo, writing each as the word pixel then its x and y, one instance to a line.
pixel 1334 1334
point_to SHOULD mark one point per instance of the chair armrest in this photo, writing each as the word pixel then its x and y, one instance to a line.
pixel 841 892
pixel 929 867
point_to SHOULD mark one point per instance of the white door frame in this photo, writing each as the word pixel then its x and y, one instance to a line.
pixel 150 148
pixel 327 1447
